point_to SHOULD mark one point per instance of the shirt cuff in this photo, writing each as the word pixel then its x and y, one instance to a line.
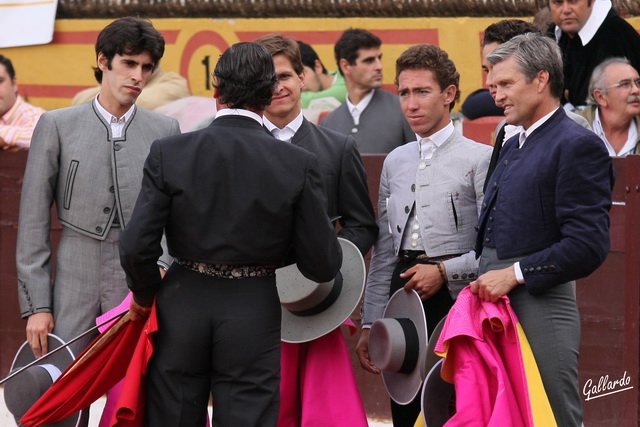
pixel 518 271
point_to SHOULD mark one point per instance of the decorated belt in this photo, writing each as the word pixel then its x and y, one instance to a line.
pixel 228 271
pixel 408 255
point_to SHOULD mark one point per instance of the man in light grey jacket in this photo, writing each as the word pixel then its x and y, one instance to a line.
pixel 87 160
pixel 429 199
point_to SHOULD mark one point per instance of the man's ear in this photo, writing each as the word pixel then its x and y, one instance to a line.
pixel 102 62
pixel 317 66
pixel 344 66
pixel 449 94
pixel 599 96
pixel 542 79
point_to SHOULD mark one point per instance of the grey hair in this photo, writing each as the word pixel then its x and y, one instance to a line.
pixel 597 80
pixel 533 53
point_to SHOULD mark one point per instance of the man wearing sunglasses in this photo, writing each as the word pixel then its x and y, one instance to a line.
pixel 614 105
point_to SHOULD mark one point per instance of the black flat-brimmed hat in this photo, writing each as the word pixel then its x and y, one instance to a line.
pixel 22 390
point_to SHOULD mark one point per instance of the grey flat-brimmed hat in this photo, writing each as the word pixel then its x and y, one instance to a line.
pixel 438 398
pixel 311 310
pixel 25 388
pixel 398 345
pixel 432 358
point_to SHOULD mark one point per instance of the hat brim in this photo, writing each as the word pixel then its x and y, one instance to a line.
pixel 403 388
pixel 61 359
pixel 438 398
pixel 299 329
pixel 432 358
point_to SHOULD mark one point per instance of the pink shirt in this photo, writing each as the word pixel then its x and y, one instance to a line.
pixel 16 126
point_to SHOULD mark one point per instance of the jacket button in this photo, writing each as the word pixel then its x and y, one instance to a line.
pixel 491 218
pixel 476 227
pixel 455 276
pixel 484 206
pixel 398 228
pixel 98 229
pixel 538 269
pixel 495 184
pixel 472 275
pixel 488 229
pixel 506 162
pixel 552 267
pixel 464 276
pixel 117 147
pixel 112 189
pixel 413 188
pixel 106 210
pixel 406 209
pixel 487 240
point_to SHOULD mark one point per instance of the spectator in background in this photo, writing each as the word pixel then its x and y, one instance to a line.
pixel 614 105
pixel 162 88
pixel 318 82
pixel 18 118
pixel 588 32
pixel 371 114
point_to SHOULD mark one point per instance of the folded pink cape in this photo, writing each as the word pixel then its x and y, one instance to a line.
pixel 489 360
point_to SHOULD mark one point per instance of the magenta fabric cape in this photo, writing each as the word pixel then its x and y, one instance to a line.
pixel 485 363
pixel 318 387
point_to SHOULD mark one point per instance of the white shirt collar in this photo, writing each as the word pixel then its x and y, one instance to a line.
pixel 535 126
pixel 108 117
pixel 437 139
pixel 599 13
pixel 238 112
pixel 357 109
pixel 627 148
pixel 286 133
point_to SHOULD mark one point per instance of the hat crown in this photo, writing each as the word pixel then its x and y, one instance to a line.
pixel 394 345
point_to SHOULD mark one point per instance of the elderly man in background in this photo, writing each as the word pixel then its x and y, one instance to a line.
pixel 588 32
pixel 18 118
pixel 614 105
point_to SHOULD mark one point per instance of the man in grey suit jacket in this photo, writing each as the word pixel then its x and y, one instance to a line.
pixel 429 200
pixel 345 182
pixel 371 114
pixel 87 160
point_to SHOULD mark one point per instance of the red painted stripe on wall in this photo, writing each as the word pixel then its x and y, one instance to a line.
pixel 50 91
pixel 90 37
pixel 413 36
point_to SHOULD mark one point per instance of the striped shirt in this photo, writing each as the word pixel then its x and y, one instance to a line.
pixel 17 124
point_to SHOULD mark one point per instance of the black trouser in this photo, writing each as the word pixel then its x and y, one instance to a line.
pixel 218 336
pixel 435 308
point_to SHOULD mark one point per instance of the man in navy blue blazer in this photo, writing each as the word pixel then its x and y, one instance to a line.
pixel 545 218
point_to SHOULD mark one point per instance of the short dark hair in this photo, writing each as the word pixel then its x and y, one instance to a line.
pixel 128 36
pixel 430 57
pixel 309 56
pixel 280 45
pixel 8 65
pixel 503 31
pixel 351 41
pixel 245 76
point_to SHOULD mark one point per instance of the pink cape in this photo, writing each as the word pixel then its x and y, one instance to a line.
pixel 489 360
pixel 318 387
